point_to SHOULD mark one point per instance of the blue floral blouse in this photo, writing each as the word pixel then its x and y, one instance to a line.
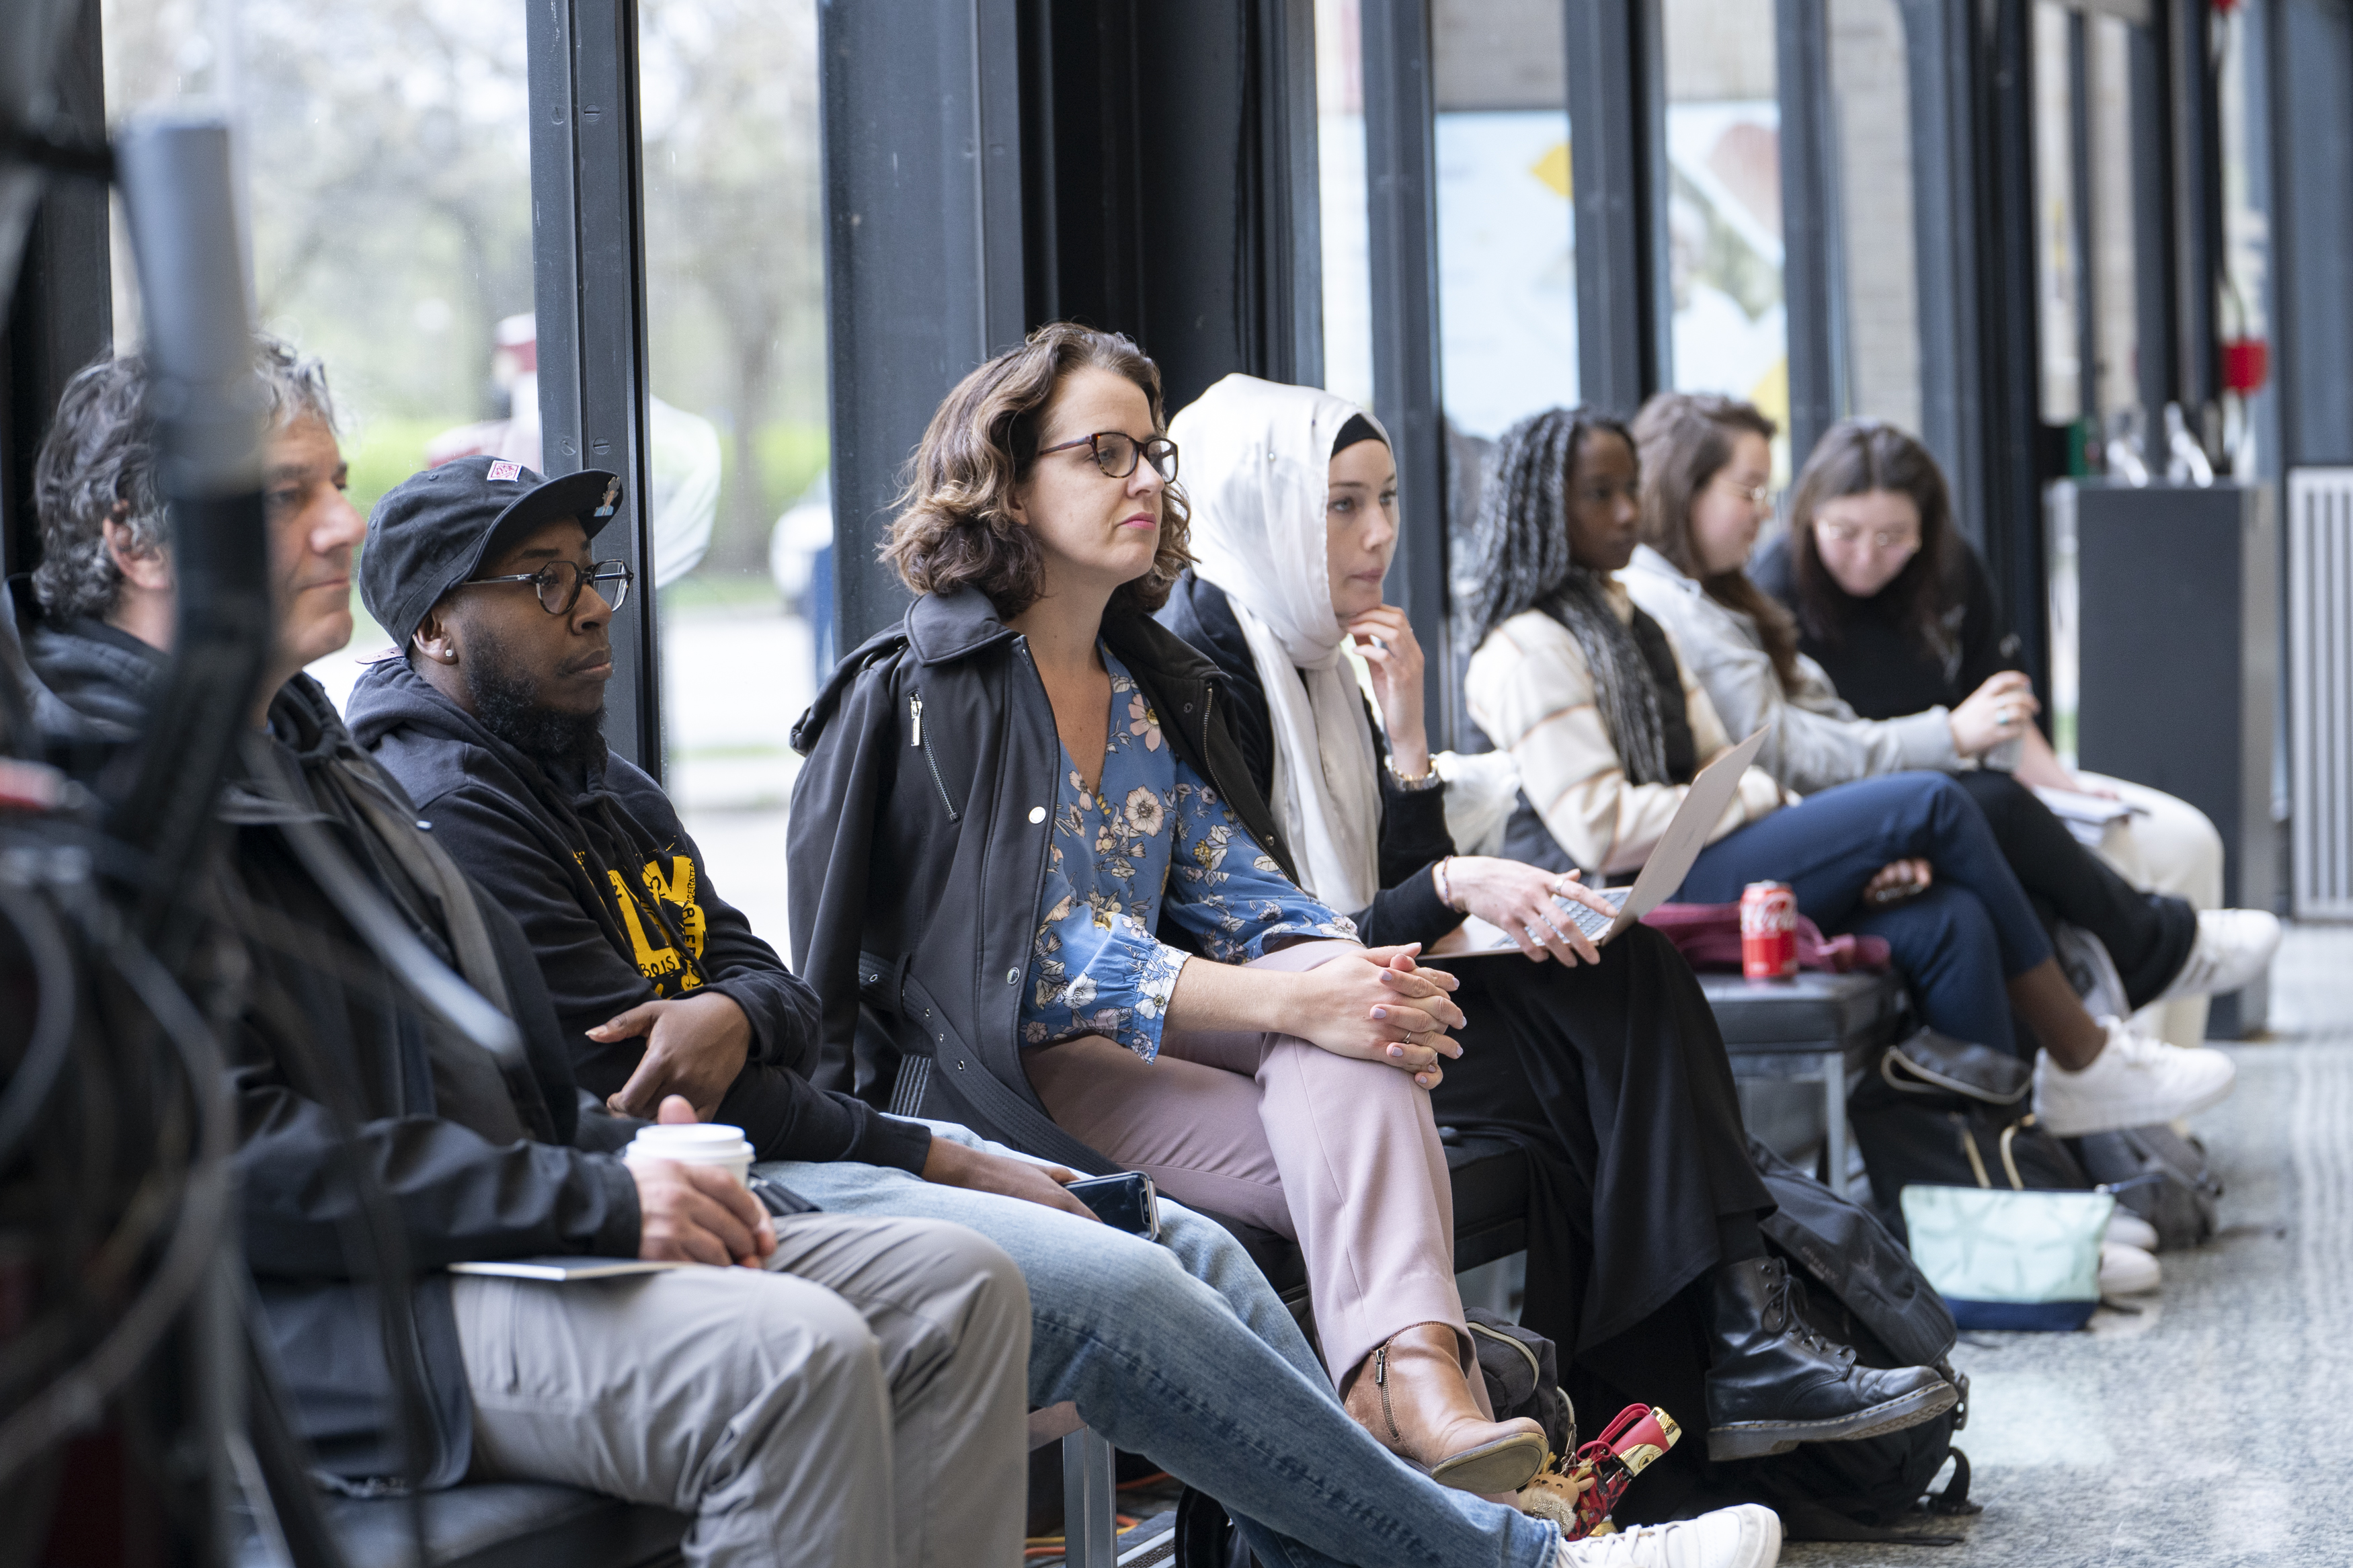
pixel 1152 841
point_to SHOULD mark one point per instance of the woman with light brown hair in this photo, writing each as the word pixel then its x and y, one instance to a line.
pixel 1036 888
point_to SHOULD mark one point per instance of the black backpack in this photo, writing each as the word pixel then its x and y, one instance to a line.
pixel 2159 1175
pixel 1522 1370
pixel 1944 1113
pixel 1860 1287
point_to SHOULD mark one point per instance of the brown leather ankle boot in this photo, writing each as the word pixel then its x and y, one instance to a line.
pixel 1410 1393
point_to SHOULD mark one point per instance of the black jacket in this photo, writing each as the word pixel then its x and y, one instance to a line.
pixel 325 1026
pixel 556 856
pixel 1413 822
pixel 918 843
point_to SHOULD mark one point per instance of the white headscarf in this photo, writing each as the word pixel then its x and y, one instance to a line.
pixel 1257 471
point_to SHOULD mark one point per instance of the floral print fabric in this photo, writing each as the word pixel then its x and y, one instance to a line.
pixel 1151 841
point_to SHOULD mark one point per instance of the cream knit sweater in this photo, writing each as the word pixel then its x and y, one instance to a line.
pixel 1528 688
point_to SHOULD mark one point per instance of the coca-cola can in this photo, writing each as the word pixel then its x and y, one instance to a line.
pixel 1768 931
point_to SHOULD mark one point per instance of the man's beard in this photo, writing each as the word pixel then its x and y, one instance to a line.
pixel 507 703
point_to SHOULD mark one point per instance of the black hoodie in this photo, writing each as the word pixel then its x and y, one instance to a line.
pixel 615 898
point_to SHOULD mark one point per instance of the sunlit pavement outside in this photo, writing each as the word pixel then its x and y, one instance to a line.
pixel 2216 1426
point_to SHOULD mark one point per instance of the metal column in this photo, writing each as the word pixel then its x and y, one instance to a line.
pixel 1400 161
pixel 588 267
pixel 1090 1533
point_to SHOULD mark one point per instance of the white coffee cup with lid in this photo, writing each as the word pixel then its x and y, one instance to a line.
pixel 694 1143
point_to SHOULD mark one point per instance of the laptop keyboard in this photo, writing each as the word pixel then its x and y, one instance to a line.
pixel 1590 920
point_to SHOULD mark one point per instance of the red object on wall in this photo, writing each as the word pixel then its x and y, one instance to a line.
pixel 2246 364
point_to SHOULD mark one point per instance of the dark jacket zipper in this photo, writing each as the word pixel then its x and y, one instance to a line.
pixel 916 714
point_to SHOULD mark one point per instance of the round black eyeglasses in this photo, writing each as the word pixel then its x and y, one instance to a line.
pixel 559 584
pixel 1117 453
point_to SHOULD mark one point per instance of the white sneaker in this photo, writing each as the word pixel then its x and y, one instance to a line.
pixel 2127 1271
pixel 2133 1082
pixel 2129 1230
pixel 2234 947
pixel 1748 1536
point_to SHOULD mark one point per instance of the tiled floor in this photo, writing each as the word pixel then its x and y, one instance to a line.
pixel 2217 1427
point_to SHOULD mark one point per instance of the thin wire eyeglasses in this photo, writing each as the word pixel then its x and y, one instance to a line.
pixel 1117 453
pixel 559 584
pixel 1755 495
pixel 1882 540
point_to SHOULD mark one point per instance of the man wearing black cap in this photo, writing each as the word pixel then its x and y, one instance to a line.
pixel 852 1393
pixel 1178 1350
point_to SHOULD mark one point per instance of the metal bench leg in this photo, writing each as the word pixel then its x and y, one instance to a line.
pixel 1090 1535
pixel 1834 1150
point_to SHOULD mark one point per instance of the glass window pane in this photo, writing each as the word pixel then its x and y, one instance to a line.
pixel 2116 331
pixel 1871 99
pixel 1724 205
pixel 743 519
pixel 2058 297
pixel 1506 266
pixel 1340 157
pixel 2246 231
pixel 386 151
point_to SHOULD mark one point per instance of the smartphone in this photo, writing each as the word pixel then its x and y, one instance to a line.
pixel 1126 1202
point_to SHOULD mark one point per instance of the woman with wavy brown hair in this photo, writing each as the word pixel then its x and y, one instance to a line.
pixel 1037 891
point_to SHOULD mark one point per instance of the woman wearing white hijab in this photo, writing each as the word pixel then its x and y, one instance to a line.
pixel 1644 1205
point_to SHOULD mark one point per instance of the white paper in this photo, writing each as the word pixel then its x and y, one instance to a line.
pixel 2073 805
pixel 563 1270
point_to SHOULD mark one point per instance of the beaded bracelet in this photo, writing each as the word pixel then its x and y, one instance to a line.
pixel 1446 892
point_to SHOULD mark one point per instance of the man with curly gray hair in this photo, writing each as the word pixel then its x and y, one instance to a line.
pixel 104 583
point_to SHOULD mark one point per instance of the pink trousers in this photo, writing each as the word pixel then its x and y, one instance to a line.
pixel 1339 1154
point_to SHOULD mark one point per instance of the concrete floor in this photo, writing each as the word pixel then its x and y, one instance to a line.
pixel 2215 1429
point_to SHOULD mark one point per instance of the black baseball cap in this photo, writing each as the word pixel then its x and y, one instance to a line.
pixel 434 529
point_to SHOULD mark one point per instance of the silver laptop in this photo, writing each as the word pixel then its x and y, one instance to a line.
pixel 1661 874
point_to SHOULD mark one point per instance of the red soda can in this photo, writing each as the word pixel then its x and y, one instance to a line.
pixel 1769 932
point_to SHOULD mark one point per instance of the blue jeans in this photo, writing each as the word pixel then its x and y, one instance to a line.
pixel 1956 944
pixel 1180 1351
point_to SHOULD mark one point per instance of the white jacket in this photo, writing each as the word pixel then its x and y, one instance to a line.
pixel 1813 740
pixel 1529 689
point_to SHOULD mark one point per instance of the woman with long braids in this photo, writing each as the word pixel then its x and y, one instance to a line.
pixel 1590 695
pixel 1643 1244
pixel 1705 463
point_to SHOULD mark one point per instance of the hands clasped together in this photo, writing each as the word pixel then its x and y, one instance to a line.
pixel 1379 1005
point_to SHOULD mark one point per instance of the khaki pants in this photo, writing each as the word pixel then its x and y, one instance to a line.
pixel 860 1405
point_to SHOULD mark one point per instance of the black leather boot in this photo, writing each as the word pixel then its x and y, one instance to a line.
pixel 1777 1384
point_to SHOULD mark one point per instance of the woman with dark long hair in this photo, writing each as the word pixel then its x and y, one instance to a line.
pixel 1704 467
pixel 1590 695
pixel 1888 601
pixel 1035 887
pixel 1607 1065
